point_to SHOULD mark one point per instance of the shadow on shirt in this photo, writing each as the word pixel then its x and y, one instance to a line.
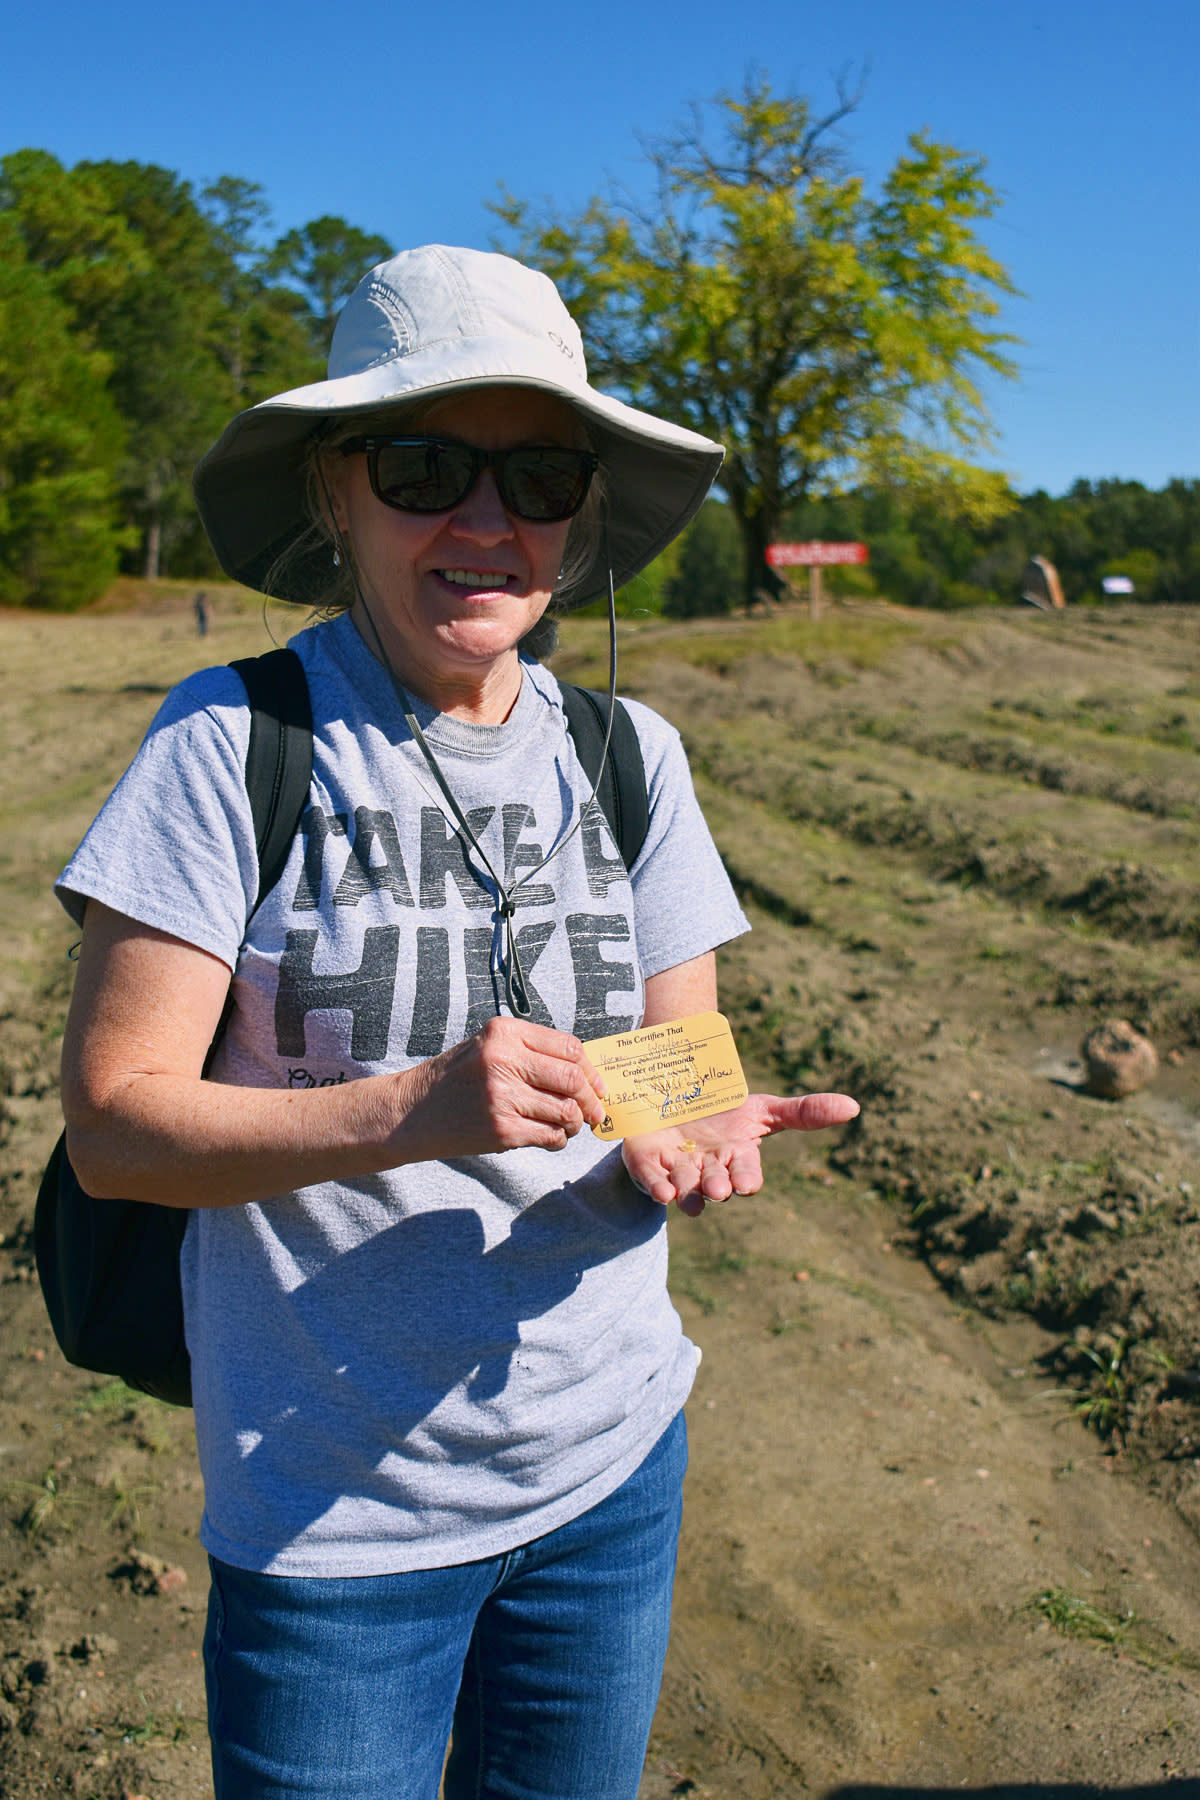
pixel 418 1353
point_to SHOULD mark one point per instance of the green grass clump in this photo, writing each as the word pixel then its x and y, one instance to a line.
pixel 112 1397
pixel 1072 1616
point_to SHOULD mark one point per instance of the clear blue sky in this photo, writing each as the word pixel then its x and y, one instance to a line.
pixel 405 119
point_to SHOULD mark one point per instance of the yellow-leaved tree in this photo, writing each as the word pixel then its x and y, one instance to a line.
pixel 825 334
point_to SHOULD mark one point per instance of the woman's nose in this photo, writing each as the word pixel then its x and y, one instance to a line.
pixel 482 514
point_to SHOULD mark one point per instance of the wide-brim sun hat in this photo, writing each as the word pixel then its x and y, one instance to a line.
pixel 432 322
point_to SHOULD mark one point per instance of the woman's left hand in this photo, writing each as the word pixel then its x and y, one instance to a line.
pixel 710 1159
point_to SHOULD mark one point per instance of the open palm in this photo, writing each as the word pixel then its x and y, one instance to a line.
pixel 712 1158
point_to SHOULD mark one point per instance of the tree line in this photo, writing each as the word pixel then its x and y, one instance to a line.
pixel 136 316
pixel 922 554
pixel 831 335
pixel 1098 528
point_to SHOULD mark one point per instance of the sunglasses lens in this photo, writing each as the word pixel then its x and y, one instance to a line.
pixel 429 475
pixel 422 474
pixel 545 484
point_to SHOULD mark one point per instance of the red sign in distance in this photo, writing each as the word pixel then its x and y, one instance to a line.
pixel 785 556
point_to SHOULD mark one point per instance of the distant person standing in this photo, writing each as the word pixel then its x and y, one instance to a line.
pixel 203 612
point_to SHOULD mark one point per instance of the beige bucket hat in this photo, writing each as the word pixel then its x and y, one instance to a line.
pixel 433 321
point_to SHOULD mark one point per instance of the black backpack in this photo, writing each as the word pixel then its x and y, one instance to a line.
pixel 109 1269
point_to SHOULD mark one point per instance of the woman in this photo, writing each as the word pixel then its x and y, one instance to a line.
pixel 438 1381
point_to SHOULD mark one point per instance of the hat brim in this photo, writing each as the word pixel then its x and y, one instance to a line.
pixel 251 486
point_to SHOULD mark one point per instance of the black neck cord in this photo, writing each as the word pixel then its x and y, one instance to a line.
pixel 516 991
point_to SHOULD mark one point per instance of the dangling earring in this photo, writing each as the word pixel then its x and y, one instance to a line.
pixel 337 559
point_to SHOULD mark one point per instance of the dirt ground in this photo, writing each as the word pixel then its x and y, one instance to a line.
pixel 942 1515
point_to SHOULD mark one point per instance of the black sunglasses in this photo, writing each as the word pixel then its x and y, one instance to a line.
pixel 542 483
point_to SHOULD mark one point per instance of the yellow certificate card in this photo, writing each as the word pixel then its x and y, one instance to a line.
pixel 667 1074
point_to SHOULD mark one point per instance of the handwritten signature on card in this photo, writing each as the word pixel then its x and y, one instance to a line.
pixel 684 1069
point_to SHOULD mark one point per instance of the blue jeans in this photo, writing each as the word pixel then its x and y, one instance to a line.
pixel 546 1661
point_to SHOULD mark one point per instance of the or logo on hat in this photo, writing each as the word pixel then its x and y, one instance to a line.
pixel 565 348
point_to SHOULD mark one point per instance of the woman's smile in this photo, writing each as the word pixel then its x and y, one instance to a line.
pixel 451 594
pixel 490 580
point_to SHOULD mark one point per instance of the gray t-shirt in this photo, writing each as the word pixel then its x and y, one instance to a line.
pixel 448 1359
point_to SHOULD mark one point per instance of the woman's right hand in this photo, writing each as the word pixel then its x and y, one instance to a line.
pixel 142 1124
pixel 513 1085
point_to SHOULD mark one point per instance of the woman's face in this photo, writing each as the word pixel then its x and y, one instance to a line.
pixel 453 592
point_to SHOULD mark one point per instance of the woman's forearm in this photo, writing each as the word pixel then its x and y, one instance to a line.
pixel 187 1142
pixel 143 1125
pixel 184 1142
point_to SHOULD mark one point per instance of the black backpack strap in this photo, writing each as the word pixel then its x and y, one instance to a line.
pixel 621 789
pixel 279 757
pixel 109 1269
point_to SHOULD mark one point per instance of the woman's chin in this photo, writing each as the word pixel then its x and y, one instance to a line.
pixel 482 639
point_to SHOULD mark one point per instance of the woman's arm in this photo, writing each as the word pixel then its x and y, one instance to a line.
pixel 677 993
pixel 713 1158
pixel 143 1125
